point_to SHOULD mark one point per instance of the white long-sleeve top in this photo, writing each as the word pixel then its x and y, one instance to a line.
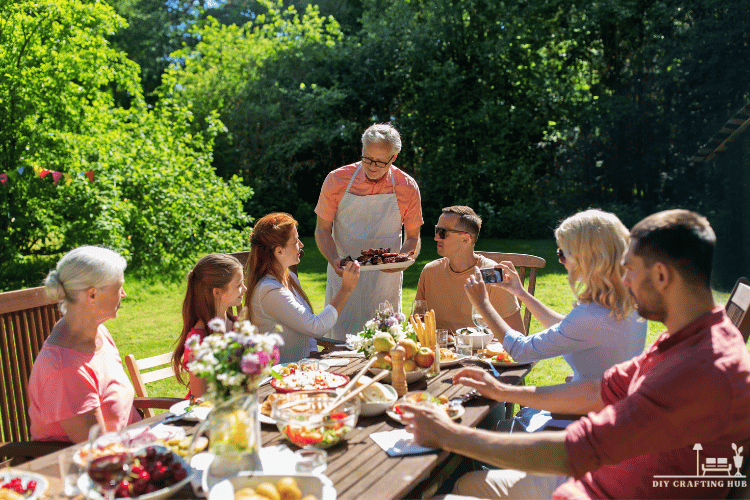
pixel 274 304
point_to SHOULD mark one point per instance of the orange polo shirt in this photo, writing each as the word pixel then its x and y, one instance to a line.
pixel 407 193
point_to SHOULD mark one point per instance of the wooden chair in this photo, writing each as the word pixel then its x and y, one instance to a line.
pixel 139 378
pixel 26 320
pixel 737 307
pixel 522 262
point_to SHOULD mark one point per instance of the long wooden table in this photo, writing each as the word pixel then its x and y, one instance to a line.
pixel 358 467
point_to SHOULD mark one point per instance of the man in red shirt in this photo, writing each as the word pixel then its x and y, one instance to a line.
pixel 673 422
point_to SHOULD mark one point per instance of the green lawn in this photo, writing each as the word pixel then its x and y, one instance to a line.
pixel 150 318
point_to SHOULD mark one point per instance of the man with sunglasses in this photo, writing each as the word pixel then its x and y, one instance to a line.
pixel 361 206
pixel 442 281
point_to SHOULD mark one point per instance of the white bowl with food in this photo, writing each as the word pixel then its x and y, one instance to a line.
pixel 479 337
pixel 247 484
pixel 376 398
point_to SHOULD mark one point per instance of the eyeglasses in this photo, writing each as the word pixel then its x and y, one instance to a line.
pixel 440 232
pixel 561 255
pixel 375 163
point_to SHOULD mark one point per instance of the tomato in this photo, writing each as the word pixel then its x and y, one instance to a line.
pixel 302 436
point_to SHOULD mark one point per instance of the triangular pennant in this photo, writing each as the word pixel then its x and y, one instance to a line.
pixel 3 178
pixel 43 173
pixel 68 178
pixel 90 175
pixel 19 170
pixel 56 176
pixel 36 169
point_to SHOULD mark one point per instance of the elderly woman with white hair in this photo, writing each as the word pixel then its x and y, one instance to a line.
pixel 77 379
pixel 361 206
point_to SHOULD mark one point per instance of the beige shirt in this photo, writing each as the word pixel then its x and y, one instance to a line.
pixel 444 292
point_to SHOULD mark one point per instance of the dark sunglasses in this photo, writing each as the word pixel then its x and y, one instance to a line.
pixel 561 255
pixel 440 232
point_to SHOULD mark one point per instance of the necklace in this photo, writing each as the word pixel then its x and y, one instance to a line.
pixel 461 272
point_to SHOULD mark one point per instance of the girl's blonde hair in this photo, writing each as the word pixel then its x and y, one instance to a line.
pixel 594 243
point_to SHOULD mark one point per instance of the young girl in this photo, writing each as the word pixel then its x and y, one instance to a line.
pixel 215 284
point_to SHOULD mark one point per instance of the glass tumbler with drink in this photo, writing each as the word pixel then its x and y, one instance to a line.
pixel 109 460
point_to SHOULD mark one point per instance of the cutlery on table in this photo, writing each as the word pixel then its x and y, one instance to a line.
pixel 492 367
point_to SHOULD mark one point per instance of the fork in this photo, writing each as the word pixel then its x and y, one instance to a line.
pixel 492 367
pixel 463 399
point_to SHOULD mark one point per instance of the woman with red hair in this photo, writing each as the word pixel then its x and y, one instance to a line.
pixel 274 295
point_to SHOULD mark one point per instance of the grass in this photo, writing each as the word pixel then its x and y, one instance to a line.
pixel 150 319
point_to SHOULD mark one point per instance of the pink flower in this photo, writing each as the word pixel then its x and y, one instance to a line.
pixel 251 363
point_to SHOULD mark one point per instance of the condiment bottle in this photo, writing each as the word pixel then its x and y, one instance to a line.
pixel 398 375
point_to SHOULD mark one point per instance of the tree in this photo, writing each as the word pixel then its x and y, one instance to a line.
pixel 155 197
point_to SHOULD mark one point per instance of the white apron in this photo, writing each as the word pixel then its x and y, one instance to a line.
pixel 363 222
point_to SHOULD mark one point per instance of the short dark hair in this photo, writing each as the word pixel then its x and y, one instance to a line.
pixel 679 238
pixel 468 220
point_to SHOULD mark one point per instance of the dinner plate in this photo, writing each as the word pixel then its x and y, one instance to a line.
pixel 265 419
pixel 452 362
pixel 86 485
pixel 41 481
pixel 323 365
pixel 196 414
pixel 344 379
pixel 495 363
pixel 392 265
pixel 460 410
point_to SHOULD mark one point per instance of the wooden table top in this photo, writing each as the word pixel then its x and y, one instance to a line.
pixel 358 467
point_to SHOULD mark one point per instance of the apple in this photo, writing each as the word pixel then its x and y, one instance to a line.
pixel 424 357
pixel 410 365
pixel 382 361
pixel 410 347
pixel 382 342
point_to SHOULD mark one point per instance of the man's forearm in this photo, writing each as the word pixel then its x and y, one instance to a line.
pixel 410 243
pixel 326 245
pixel 538 452
pixel 577 398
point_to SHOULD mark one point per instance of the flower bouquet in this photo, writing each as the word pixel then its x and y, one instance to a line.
pixel 386 321
pixel 233 363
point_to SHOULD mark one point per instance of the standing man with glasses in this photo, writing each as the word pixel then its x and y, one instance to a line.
pixel 361 206
pixel 442 281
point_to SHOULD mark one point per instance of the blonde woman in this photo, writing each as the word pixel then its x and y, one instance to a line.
pixel 603 328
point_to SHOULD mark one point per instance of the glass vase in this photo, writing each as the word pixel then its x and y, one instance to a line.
pixel 233 428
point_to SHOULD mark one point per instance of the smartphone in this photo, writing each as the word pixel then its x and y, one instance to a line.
pixel 491 275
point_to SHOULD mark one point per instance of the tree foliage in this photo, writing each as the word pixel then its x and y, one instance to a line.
pixel 155 198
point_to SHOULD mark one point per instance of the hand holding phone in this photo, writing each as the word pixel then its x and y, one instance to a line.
pixel 491 275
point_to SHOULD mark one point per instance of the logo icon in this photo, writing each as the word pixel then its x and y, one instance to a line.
pixel 711 467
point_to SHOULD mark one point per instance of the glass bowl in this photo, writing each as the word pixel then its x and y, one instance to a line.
pixel 298 417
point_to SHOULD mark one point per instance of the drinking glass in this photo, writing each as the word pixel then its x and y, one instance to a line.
pixel 463 346
pixel 442 337
pixel 311 459
pixel 109 459
pixel 478 319
pixel 70 471
pixel 419 308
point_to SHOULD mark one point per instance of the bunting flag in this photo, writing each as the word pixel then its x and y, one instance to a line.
pixel 43 172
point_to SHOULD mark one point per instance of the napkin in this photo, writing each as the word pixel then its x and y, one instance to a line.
pixel 399 442
pixel 346 354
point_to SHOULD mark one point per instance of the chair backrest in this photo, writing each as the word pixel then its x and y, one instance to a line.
pixel 738 305
pixel 139 378
pixel 26 320
pixel 522 262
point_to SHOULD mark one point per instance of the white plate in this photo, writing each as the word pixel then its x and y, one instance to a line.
pixel 411 377
pixel 323 365
pixel 309 484
pixel 41 482
pixel 380 267
pixel 265 419
pixel 197 414
pixel 85 484
pixel 483 361
pixel 460 410
pixel 452 362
